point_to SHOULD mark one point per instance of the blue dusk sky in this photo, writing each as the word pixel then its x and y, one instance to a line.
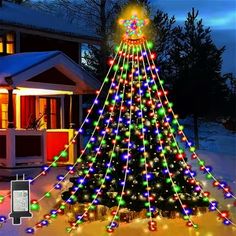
pixel 219 15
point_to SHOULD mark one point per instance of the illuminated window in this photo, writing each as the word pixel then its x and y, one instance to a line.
pixel 54 113
pixel 1 44
pixel 7 42
pixel 49 109
pixel 10 43
pixel 4 115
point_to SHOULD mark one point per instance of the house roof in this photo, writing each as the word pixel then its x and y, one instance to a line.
pixel 17 69
pixel 16 14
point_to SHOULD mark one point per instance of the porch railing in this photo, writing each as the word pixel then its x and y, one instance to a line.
pixel 24 148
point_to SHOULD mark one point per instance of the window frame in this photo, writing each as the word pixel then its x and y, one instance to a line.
pixel 1 43
pixel 49 114
pixel 7 43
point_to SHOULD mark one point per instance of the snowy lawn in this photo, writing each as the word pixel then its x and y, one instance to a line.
pixel 217 148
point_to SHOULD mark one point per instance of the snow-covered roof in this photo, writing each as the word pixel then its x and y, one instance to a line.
pixel 13 64
pixel 16 14
pixel 21 67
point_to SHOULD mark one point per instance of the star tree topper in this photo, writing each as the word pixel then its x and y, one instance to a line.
pixel 133 27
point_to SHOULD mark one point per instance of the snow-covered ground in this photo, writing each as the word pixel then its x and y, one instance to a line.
pixel 217 148
pixel 213 136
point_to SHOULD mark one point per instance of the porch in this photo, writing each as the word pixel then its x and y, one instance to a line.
pixel 32 148
pixel 40 108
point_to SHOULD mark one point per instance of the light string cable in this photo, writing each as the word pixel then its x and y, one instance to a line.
pixel 111 157
pixel 177 145
pixel 189 143
pixel 78 159
pixel 82 181
pixel 79 129
pixel 143 134
pixel 164 156
pixel 79 221
pixel 128 156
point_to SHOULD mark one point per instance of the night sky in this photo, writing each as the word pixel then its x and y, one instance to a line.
pixel 219 15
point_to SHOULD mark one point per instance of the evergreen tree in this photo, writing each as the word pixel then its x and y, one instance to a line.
pixel 165 35
pixel 231 81
pixel 199 88
pixel 133 159
pixel 97 17
pixel 105 26
pixel 101 15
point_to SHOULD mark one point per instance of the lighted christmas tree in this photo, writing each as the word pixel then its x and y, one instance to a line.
pixel 133 158
pixel 134 164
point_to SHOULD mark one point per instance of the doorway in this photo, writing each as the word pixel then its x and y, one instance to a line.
pixel 49 113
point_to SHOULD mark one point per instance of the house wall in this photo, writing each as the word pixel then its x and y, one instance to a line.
pixel 28 110
pixel 33 43
pixel 7 42
pixel 75 119
pixel 41 112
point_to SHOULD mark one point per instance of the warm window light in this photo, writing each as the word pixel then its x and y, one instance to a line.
pixel 10 47
pixel 4 113
pixel 1 44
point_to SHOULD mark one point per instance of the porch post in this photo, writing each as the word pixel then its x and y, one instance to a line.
pixel 17 37
pixel 10 109
pixel 70 112
pixel 80 109
pixel 80 119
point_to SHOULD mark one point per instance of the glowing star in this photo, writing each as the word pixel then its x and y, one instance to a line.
pixel 134 27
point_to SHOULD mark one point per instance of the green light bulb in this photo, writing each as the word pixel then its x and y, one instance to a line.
pixel 34 207
pixel 48 195
pixel 56 158
pixel 115 67
pixel 161 111
pixel 54 164
pixel 150 45
pixel 176 189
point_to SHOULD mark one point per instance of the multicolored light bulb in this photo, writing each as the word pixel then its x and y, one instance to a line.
pixel 133 27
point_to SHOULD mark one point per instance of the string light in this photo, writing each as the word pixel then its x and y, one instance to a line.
pixel 192 149
pixel 82 153
pixel 72 141
pixel 143 108
pixel 176 188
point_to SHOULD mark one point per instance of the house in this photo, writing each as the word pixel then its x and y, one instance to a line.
pixel 23 29
pixel 41 85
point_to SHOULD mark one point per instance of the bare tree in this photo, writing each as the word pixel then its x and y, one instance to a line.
pixel 95 16
pixel 101 15
pixel 66 9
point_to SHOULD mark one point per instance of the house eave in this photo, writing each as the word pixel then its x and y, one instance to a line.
pixel 20 77
pixel 5 86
